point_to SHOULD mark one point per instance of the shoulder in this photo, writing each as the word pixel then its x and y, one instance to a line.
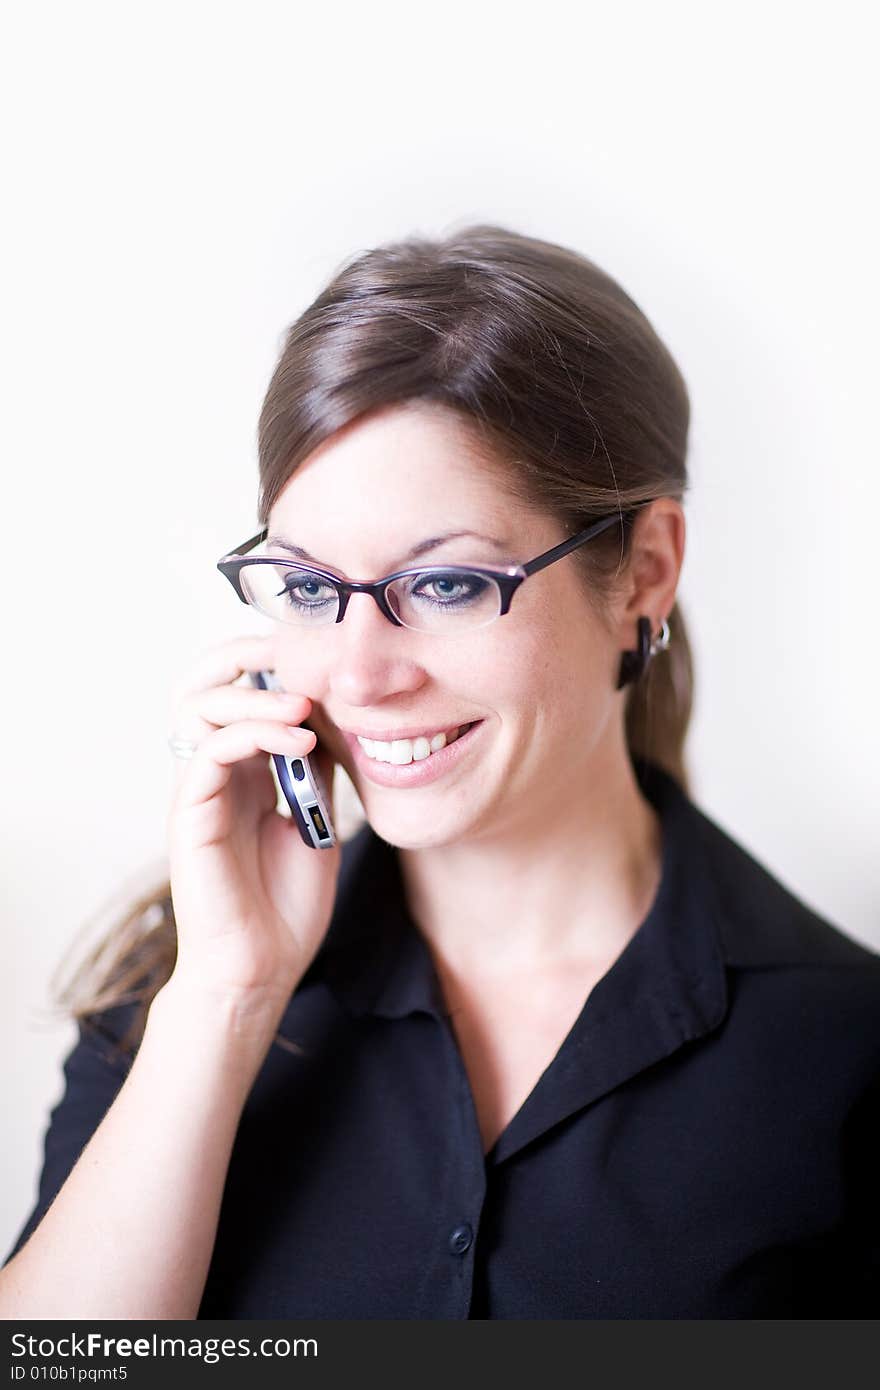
pixel 760 921
pixel 792 972
pixel 765 923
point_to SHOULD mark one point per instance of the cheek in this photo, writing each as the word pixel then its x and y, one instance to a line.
pixel 301 666
pixel 562 670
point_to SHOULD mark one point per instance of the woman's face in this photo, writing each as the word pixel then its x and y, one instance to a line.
pixel 539 680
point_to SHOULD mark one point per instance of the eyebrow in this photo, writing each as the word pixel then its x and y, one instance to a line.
pixel 421 549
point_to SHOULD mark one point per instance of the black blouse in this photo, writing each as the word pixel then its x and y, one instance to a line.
pixel 704 1144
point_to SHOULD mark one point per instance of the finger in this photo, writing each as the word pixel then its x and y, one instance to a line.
pixel 210 767
pixel 199 714
pixel 226 662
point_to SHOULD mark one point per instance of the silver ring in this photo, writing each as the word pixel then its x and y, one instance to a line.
pixel 181 747
pixel 661 641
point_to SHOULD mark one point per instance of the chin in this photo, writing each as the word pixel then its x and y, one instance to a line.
pixel 411 832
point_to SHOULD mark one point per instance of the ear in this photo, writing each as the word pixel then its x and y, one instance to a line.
pixel 651 578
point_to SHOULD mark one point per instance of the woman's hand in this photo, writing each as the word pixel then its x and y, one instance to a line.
pixel 252 902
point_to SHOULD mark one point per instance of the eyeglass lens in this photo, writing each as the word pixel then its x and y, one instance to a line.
pixel 430 601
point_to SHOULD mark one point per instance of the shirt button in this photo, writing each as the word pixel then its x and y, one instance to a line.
pixel 461 1239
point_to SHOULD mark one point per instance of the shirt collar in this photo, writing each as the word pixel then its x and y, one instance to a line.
pixel 376 962
pixel 667 988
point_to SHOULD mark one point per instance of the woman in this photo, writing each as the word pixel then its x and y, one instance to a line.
pixel 550 1044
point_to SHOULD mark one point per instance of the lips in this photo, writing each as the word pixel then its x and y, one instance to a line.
pixel 415 774
pixel 419 750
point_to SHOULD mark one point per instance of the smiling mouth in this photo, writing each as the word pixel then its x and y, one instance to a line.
pixel 401 752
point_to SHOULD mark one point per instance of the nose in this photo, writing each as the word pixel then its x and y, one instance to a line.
pixel 370 657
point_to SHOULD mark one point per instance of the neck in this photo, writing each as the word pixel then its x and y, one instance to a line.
pixel 567 887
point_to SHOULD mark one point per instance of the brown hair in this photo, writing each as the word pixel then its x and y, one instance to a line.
pixel 561 378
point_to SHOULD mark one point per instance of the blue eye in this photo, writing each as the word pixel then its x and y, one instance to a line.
pixel 302 594
pixel 452 590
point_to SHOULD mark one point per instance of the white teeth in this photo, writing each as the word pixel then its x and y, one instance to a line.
pixel 402 751
pixel 405 750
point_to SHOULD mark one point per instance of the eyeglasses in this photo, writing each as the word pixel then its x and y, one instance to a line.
pixel 441 599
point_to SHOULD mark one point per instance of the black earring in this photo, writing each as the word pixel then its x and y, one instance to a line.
pixel 633 664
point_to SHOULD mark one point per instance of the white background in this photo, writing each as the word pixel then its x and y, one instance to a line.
pixel 178 182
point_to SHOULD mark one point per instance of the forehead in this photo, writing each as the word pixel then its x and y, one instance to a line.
pixel 414 458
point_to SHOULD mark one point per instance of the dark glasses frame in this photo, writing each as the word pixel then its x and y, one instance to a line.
pixel 507 579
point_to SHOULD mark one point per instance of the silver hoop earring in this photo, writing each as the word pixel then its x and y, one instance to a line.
pixel 661 641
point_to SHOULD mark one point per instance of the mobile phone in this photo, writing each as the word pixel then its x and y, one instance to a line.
pixel 302 784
